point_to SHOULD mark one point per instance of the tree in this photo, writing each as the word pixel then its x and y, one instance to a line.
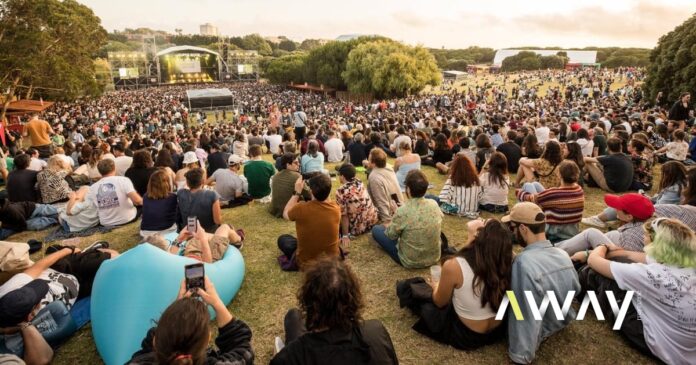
pixel 310 44
pixel 553 62
pixel 672 67
pixel 257 43
pixel 287 45
pixel 286 69
pixel 48 46
pixel 387 68
pixel 458 65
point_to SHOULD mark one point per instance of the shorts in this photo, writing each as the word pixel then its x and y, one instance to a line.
pixel 218 247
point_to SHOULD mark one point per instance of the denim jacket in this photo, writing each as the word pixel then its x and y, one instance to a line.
pixel 670 195
pixel 539 268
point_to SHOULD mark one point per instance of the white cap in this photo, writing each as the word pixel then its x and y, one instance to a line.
pixel 190 157
pixel 234 160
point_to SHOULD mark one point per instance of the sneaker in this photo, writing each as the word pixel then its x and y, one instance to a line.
pixel 594 221
pixel 97 245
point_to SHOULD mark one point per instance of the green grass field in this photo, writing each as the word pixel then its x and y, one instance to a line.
pixel 267 293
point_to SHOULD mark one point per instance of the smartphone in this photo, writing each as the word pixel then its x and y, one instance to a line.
pixel 192 225
pixel 195 276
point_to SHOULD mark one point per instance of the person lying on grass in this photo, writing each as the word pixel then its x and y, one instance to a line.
pixel 199 245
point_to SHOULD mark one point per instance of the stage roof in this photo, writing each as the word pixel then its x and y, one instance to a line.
pixel 581 57
pixel 184 49
pixel 28 106
pixel 208 93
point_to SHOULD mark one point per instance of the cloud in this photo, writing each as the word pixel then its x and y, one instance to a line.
pixel 409 19
pixel 642 23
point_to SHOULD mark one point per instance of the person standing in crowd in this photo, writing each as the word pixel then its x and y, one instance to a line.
pixel 680 109
pixel 383 186
pixel 299 119
pixel 174 341
pixel 115 197
pixel 258 173
pixel 358 214
pixel 316 222
pixel 614 172
pixel 328 327
pixel 539 268
pixel 412 238
pixel 40 132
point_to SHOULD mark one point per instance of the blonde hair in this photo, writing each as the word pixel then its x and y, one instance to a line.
pixel 55 163
pixel 674 244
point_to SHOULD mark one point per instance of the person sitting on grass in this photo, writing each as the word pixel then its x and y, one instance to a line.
pixel 198 202
pixel 114 196
pixel 329 328
pixel 539 268
pixel 471 287
pixel 283 184
pixel 229 184
pixel 412 238
pixel 51 181
pixel 177 341
pixel 462 191
pixel 316 222
pixel 563 205
pixel 313 160
pixel 20 217
pixel 495 184
pixel 80 213
pixel 159 206
pixel 677 150
pixel 542 169
pixel 258 173
pixel 672 182
pixel 20 182
pixel 613 173
pixel 660 318
pixel 358 214
pixel 383 186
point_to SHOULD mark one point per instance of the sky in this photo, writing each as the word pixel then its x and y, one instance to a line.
pixel 432 23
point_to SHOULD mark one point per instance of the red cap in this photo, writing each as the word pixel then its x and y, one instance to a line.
pixel 634 204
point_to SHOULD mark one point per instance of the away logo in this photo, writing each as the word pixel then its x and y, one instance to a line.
pixel 538 311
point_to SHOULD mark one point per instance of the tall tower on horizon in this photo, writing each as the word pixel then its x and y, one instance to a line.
pixel 209 29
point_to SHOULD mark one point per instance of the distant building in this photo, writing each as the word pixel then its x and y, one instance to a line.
pixel 209 29
pixel 575 58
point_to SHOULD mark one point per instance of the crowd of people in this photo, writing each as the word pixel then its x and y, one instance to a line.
pixel 142 156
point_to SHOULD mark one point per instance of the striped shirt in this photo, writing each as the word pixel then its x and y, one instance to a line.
pixel 562 205
pixel 466 199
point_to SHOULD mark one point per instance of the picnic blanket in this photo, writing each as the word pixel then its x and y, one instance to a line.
pixel 59 234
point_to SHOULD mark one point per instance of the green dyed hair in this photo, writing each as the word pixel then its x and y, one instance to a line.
pixel 674 244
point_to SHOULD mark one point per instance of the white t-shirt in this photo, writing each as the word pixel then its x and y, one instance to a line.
pixel 122 164
pixel 274 142
pixel 586 145
pixel 61 286
pixel 37 164
pixel 665 298
pixel 83 215
pixel 334 150
pixel 494 193
pixel 110 194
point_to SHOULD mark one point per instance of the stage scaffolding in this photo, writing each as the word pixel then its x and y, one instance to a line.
pixel 241 66
pixel 134 70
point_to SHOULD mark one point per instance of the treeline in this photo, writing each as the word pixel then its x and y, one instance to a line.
pixel 527 60
pixel 610 57
pixel 459 59
pixel 374 65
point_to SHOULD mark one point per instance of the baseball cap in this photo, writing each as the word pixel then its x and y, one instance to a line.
pixel 234 160
pixel 16 305
pixel 637 205
pixel 190 157
pixel 525 213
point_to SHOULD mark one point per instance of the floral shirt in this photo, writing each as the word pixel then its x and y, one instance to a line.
pixel 354 201
pixel 417 226
pixel 642 169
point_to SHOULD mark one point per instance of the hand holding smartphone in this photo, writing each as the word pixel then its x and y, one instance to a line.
pixel 192 225
pixel 195 276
